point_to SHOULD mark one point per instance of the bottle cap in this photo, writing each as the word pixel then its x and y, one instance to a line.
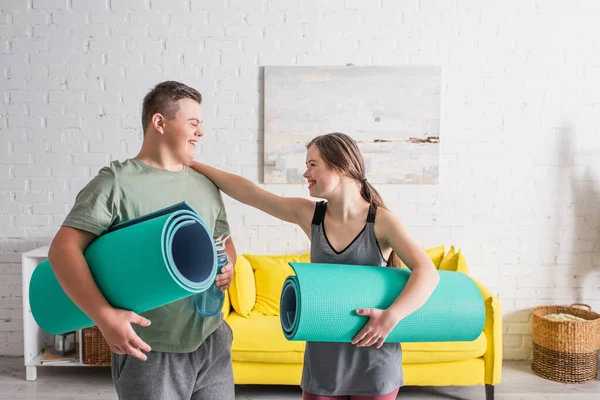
pixel 220 241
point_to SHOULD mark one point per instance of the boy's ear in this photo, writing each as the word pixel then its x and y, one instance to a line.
pixel 158 122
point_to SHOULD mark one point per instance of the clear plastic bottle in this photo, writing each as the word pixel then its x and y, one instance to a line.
pixel 210 302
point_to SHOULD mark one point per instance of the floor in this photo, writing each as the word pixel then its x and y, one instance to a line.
pixel 518 382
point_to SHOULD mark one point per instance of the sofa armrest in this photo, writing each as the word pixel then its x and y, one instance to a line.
pixel 493 334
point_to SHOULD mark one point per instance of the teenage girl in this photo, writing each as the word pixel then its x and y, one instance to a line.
pixel 351 227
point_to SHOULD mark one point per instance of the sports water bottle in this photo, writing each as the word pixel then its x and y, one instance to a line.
pixel 210 302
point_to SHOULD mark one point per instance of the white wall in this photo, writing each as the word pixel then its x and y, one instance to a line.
pixel 519 191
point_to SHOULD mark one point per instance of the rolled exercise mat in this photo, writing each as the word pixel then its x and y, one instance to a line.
pixel 138 265
pixel 319 304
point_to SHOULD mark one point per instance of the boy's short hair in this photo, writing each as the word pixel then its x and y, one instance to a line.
pixel 161 99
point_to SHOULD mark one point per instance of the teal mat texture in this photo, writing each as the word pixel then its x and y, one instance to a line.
pixel 139 265
pixel 319 304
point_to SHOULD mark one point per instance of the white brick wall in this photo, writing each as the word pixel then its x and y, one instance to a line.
pixel 520 180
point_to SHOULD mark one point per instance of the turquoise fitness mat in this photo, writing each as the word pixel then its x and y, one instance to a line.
pixel 319 304
pixel 138 265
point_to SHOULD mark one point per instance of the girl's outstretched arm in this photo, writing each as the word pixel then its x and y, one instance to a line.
pixel 291 209
pixel 419 287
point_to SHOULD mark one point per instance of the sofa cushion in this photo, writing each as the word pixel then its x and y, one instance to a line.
pixel 226 305
pixel 428 352
pixel 270 271
pixel 242 291
pixel 436 254
pixel 260 339
pixel 454 261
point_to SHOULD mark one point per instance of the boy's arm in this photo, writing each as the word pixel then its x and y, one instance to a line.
pixel 73 274
pixel 92 214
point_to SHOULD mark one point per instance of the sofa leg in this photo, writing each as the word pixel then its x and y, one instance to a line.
pixel 489 392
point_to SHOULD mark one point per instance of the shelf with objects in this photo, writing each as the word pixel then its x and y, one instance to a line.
pixel 42 349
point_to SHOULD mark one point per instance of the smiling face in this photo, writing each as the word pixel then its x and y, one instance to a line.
pixel 322 179
pixel 182 132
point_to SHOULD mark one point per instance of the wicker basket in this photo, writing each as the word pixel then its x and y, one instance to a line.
pixel 566 351
pixel 95 349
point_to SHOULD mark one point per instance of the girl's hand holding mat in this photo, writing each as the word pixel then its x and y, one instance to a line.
pixel 381 323
pixel 116 328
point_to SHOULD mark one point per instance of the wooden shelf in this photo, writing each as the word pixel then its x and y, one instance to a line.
pixel 34 338
pixel 37 362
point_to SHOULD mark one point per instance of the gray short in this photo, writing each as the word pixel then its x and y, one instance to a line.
pixel 204 374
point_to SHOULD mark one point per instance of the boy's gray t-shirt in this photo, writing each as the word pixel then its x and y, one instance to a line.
pixel 130 189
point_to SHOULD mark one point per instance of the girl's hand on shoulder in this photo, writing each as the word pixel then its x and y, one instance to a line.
pixel 381 323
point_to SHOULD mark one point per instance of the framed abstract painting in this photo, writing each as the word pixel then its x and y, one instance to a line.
pixel 393 113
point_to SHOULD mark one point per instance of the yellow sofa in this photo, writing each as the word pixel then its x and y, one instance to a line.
pixel 262 355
